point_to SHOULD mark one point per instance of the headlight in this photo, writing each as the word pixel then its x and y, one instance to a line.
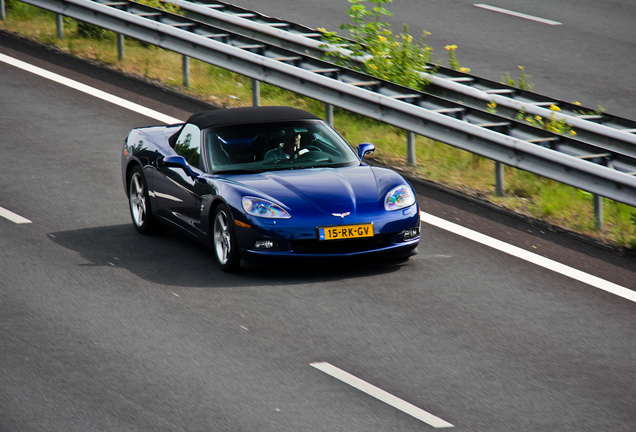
pixel 399 198
pixel 263 208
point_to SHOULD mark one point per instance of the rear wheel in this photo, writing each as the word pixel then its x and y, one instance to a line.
pixel 139 202
pixel 224 240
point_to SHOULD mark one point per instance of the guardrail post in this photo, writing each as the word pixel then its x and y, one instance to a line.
pixel 186 70
pixel 329 114
pixel 120 46
pixel 59 26
pixel 256 92
pixel 3 13
pixel 499 178
pixel 598 211
pixel 410 148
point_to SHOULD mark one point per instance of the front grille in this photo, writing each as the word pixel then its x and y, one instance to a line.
pixel 341 246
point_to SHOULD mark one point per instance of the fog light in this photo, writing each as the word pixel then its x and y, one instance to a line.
pixel 411 233
pixel 265 244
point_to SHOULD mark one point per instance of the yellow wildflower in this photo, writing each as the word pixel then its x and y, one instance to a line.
pixel 450 47
pixel 464 69
pixel 555 108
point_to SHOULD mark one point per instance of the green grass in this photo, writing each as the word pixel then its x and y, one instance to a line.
pixel 526 193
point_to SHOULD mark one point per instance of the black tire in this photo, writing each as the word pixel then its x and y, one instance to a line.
pixel 224 240
pixel 139 202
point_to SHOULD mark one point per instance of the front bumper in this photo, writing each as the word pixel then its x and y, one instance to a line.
pixel 394 235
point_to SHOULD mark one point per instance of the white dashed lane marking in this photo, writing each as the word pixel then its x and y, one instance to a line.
pixel 382 395
pixel 517 14
pixel 13 217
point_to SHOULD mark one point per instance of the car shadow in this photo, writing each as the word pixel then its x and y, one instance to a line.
pixel 173 259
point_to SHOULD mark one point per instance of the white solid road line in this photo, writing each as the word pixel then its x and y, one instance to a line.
pixel 539 260
pixel 89 90
pixel 13 217
pixel 517 14
pixel 430 219
pixel 382 395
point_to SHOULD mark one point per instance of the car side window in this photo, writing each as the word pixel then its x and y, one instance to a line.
pixel 188 145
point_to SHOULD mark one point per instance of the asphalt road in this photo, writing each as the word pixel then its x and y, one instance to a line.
pixel 589 57
pixel 102 329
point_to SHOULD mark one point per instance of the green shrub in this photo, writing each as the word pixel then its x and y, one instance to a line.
pixel 90 31
pixel 398 58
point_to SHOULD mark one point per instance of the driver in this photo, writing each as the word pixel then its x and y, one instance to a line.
pixel 291 143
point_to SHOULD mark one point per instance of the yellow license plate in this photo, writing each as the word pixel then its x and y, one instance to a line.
pixel 345 232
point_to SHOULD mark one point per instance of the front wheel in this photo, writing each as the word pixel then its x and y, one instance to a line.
pixel 224 240
pixel 139 202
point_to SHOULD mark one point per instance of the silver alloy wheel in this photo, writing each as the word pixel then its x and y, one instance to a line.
pixel 137 198
pixel 222 238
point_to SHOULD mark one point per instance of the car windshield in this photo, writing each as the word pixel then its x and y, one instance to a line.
pixel 275 146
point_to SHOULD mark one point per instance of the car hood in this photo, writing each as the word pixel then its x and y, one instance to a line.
pixel 327 190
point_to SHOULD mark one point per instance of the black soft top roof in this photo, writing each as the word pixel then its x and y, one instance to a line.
pixel 238 116
pixel 233 116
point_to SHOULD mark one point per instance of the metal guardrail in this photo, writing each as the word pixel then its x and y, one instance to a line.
pixel 614 133
pixel 567 160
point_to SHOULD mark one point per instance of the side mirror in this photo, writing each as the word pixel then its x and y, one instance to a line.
pixel 179 162
pixel 365 149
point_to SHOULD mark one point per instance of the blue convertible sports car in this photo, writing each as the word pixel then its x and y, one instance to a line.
pixel 267 182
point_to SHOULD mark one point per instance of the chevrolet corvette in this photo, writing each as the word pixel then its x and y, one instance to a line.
pixel 267 182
